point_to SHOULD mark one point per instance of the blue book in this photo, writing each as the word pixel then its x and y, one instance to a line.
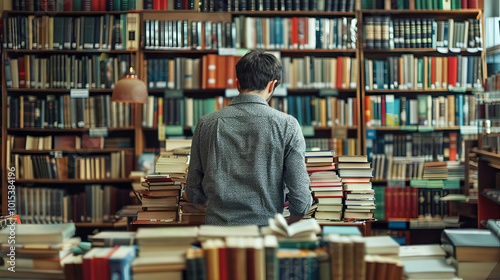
pixel 389 110
pixel 291 106
pixel 308 110
pixel 299 110
pixel 279 33
pixel 8 73
pixel 470 72
pixel 120 262
pixel 342 230
pixel 397 112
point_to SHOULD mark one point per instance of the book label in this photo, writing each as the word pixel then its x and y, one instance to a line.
pixel 98 132
pixel 173 94
pixel 425 128
pixel 56 154
pixel 455 50
pixel 79 93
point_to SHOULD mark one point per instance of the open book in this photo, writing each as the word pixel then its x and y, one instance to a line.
pixel 303 228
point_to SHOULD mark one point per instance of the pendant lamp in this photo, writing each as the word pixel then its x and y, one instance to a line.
pixel 130 89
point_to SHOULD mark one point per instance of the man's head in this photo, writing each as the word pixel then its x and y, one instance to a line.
pixel 257 70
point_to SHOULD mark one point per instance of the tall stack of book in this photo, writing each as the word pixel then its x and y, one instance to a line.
pixel 325 184
pixel 160 199
pixel 356 174
pixel 162 252
pixel 40 251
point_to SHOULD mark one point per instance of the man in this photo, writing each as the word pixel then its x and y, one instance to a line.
pixel 243 155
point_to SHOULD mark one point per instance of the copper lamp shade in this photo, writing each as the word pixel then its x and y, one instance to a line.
pixel 130 89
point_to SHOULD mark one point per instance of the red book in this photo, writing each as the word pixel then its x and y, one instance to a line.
pixel 96 5
pixel 223 271
pixel 156 4
pixel 163 5
pixel 91 142
pixel 44 5
pixel 396 202
pixel 221 72
pixel 463 4
pixel 339 72
pixel 68 5
pixel 383 109
pixel 204 72
pixel 102 5
pixel 453 146
pixel 388 203
pixel 88 263
pixel 368 108
pixel 184 4
pixel 414 202
pixel 294 33
pixel 211 79
pixel 408 204
pixel 230 72
pixel 155 112
pixel 433 71
pixel 101 263
pixel 452 71
pixel 21 71
pixel 473 4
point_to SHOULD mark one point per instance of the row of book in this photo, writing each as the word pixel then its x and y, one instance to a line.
pixel 65 71
pixel 317 111
pixel 210 71
pixel 320 72
pixel 66 112
pixel 383 32
pixel 65 142
pixel 435 5
pixel 253 5
pixel 103 32
pixel 410 72
pixel 412 202
pixel 76 5
pixel 96 204
pixel 425 110
pixel 73 166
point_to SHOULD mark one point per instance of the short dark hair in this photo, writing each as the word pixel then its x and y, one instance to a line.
pixel 256 69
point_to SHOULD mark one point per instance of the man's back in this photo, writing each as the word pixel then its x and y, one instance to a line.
pixel 242 156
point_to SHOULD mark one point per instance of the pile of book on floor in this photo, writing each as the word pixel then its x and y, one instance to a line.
pixel 325 184
pixel 356 174
pixel 37 251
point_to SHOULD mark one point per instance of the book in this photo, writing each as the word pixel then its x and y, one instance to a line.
pixel 425 251
pixel 428 269
pixel 36 234
pixel 471 244
pixel 381 245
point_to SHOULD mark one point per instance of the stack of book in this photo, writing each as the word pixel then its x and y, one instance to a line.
pixel 474 253
pixel 444 170
pixel 39 251
pixel 162 252
pixel 347 254
pixel 327 190
pixel 160 199
pixel 319 161
pixel 191 213
pixel 356 175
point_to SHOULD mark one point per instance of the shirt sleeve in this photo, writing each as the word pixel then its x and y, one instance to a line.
pixel 295 174
pixel 194 189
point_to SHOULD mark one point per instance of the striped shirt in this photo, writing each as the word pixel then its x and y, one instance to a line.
pixel 242 157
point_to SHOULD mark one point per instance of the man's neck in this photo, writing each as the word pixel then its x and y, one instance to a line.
pixel 255 92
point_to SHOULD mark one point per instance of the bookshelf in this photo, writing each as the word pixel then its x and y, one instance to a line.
pixel 80 48
pixel 488 182
pixel 144 137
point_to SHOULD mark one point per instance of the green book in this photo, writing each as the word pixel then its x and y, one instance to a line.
pixel 429 5
pixel 118 4
pixel 420 74
pixel 379 212
pixel 422 110
pixel 123 30
pixel 77 5
pixel 419 5
pixel 400 4
pixel 209 105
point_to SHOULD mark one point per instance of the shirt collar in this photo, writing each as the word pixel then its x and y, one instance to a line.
pixel 248 98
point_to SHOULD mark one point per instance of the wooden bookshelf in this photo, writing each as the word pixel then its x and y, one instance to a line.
pixel 488 179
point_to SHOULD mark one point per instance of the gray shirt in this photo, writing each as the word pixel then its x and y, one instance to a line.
pixel 242 157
